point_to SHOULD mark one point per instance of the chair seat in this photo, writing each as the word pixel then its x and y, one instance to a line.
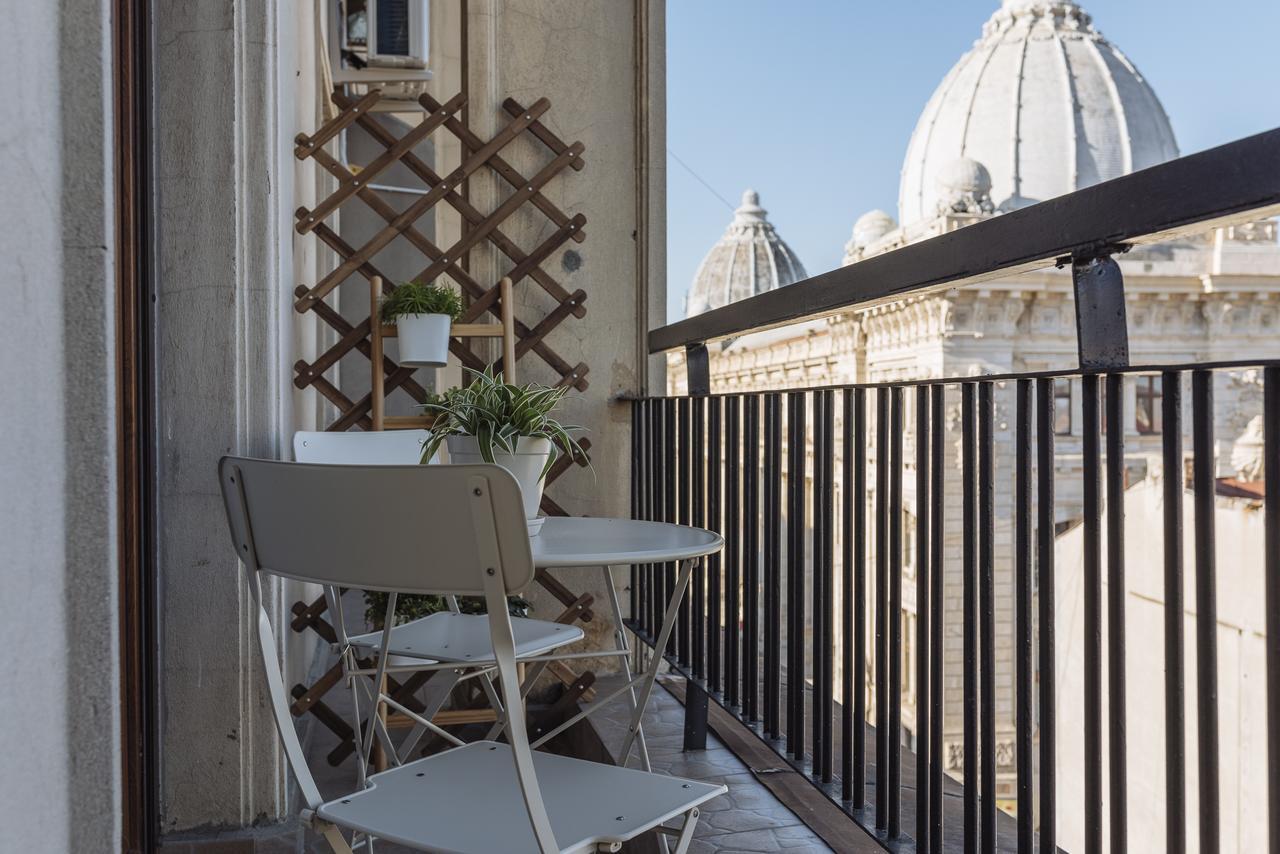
pixel 446 636
pixel 467 801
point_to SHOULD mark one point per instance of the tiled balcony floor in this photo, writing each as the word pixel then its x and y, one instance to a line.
pixel 748 819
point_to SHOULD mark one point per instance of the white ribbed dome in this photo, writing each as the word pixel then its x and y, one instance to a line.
pixel 749 259
pixel 1045 103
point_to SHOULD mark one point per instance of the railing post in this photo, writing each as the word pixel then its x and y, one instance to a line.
pixel 698 374
pixel 1102 327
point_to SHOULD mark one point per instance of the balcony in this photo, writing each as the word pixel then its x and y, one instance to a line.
pixel 964 604
pixel 1050 681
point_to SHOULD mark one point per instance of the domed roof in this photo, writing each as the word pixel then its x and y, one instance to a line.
pixel 1044 103
pixel 749 259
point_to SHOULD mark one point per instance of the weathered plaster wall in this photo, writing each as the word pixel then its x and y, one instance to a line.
pixel 602 67
pixel 57 463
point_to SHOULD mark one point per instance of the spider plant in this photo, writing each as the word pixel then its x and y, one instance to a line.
pixel 499 414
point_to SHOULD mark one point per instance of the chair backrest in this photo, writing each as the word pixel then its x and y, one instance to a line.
pixel 364 448
pixel 409 529
pixel 456 529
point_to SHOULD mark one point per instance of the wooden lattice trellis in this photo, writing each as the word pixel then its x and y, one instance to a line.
pixel 354 340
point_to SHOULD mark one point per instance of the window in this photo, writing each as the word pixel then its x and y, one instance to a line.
pixel 1062 406
pixel 1148 402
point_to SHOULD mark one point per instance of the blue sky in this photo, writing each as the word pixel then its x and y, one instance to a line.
pixel 812 102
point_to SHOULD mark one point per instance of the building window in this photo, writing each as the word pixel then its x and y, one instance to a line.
pixel 1062 406
pixel 1148 405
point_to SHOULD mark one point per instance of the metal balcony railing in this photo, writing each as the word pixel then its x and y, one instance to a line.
pixel 788 625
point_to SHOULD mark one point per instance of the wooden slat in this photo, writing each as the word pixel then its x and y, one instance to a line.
pixel 340 325
pixel 468 212
pixel 538 129
pixel 306 145
pixel 352 183
pixel 484 298
pixel 339 400
pixel 419 207
pixel 476 330
pixel 504 169
pixel 407 422
pixel 550 322
pixel 527 266
pixel 509 206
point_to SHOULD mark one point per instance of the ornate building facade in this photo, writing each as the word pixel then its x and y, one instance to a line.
pixel 1042 105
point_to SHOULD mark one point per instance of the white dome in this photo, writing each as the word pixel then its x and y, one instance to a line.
pixel 749 259
pixel 1045 103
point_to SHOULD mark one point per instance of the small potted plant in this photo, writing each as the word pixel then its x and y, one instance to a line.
pixel 422 314
pixel 492 421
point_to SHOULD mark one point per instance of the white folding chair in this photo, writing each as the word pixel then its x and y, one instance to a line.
pixel 444 637
pixel 450 530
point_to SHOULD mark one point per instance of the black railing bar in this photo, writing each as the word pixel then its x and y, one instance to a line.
pixel 715 464
pixel 1092 615
pixel 733 551
pixel 1203 481
pixel 987 611
pixel 699 519
pixel 1271 522
pixel 881 607
pixel 1045 545
pixel 924 608
pixel 827 658
pixel 1063 373
pixel 772 565
pixel 670 479
pixel 969 612
pixel 893 732
pixel 1233 182
pixel 1023 634
pixel 751 564
pixel 937 395
pixel 1116 734
pixel 684 464
pixel 1174 664
pixel 859 568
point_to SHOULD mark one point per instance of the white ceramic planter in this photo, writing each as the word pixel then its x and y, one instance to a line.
pixel 525 465
pixel 424 339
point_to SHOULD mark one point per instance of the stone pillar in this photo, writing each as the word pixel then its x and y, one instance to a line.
pixel 227 77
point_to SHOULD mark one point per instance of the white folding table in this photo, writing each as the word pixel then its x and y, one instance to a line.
pixel 568 542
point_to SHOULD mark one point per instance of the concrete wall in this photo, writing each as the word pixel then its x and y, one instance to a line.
pixel 59 719
pixel 602 66
pixel 1241 661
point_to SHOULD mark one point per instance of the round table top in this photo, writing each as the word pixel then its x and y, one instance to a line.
pixel 585 541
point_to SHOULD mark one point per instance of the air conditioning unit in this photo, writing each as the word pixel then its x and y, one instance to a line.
pixel 398 33
pixel 373 41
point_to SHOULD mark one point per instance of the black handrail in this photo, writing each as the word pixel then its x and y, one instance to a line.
pixel 1188 195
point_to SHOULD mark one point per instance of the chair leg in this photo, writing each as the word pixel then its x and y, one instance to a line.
pixel 620 643
pixel 334 838
pixel 686 832
pixel 434 695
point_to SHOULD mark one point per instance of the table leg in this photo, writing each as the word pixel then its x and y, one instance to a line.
pixel 646 688
pixel 620 643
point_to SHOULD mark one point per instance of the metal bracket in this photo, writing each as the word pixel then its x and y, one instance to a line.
pixel 695 716
pixel 1102 327
pixel 697 366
